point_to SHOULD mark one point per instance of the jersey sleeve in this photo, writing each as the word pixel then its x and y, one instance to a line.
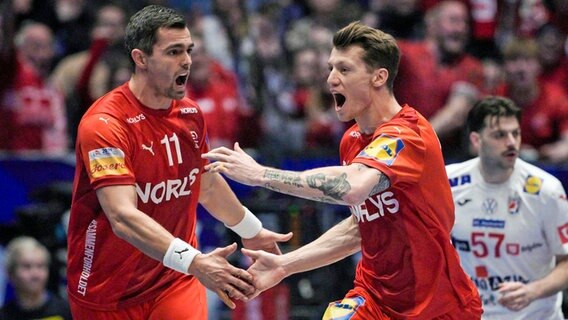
pixel 397 152
pixel 104 149
pixel 555 216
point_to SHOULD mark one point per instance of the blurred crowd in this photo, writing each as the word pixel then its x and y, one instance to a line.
pixel 260 67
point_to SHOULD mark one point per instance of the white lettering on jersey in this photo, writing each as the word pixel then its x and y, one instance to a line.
pixel 165 190
pixel 136 119
pixel 188 110
pixel 88 257
pixel 376 206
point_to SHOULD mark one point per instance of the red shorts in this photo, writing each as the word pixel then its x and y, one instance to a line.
pixel 358 305
pixel 183 300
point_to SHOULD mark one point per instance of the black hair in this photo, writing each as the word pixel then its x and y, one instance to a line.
pixel 491 106
pixel 144 24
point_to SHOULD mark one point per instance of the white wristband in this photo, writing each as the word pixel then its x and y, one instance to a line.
pixel 179 255
pixel 249 226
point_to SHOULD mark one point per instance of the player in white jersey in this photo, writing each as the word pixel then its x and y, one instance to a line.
pixel 511 228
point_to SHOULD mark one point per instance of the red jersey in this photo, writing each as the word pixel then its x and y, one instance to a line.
pixel 219 101
pixel 422 81
pixel 557 75
pixel 544 120
pixel 409 266
pixel 32 114
pixel 122 142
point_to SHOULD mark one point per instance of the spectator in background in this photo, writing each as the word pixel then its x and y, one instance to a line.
pixel 403 19
pixel 215 90
pixel 437 75
pixel 85 76
pixel 511 228
pixel 7 48
pixel 27 264
pixel 313 102
pixel 266 75
pixel 317 27
pixel 552 56
pixel 32 112
pixel 216 34
pixel 544 126
pixel 70 21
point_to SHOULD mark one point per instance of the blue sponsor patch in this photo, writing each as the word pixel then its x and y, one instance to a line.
pixel 462 245
pixel 489 223
pixel 458 181
pixel 384 148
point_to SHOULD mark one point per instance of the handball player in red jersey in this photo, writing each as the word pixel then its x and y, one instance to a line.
pixel 392 177
pixel 139 177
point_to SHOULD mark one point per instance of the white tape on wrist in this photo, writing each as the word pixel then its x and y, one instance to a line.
pixel 179 256
pixel 249 226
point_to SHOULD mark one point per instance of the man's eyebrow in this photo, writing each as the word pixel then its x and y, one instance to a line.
pixel 179 45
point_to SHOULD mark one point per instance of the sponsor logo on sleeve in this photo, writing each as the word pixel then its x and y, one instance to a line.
pixel 107 162
pixel 384 148
pixel 532 185
pixel 344 309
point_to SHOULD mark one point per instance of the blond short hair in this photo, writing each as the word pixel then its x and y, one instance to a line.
pixel 19 245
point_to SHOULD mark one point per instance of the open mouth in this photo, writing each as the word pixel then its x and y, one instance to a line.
pixel 511 154
pixel 182 79
pixel 339 99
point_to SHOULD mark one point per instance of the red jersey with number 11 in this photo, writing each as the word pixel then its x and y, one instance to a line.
pixel 122 142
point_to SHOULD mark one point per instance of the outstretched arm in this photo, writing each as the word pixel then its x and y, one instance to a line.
pixel 337 243
pixel 517 295
pixel 346 185
pixel 148 236
pixel 230 211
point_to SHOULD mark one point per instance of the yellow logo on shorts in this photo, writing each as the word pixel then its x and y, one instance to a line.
pixel 343 310
pixel 107 162
pixel 384 148
pixel 533 185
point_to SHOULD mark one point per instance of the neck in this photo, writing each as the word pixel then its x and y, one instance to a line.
pixel 31 300
pixel 146 94
pixel 381 110
pixel 494 174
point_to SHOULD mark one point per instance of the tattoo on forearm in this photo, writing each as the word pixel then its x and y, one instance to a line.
pixel 289 178
pixel 334 187
pixel 384 183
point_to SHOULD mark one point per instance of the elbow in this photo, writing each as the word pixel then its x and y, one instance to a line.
pixel 355 196
pixel 119 226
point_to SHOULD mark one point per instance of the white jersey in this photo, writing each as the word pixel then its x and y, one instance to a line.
pixel 509 232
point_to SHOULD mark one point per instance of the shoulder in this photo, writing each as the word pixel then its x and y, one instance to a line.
pixel 538 181
pixel 466 166
pixel 461 173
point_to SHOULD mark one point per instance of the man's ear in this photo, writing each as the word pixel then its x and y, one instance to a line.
pixel 475 140
pixel 380 77
pixel 139 58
